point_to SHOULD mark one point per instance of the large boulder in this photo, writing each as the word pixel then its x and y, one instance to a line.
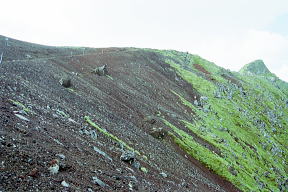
pixel 128 156
pixel 158 133
pixel 101 71
pixel 65 82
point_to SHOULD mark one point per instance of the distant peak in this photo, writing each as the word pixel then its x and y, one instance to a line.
pixel 256 67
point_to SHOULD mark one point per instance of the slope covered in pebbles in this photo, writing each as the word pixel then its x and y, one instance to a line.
pixel 158 121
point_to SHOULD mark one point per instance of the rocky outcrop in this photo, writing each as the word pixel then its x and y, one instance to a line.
pixel 101 71
pixel 256 67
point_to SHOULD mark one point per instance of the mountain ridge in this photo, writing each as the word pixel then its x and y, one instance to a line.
pixel 256 67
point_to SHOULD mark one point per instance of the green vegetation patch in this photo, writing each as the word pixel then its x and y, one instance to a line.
pixel 247 124
pixel 111 136
pixel 144 170
pixel 21 105
pixel 109 77
pixel 211 160
pixel 71 90
pixel 200 84
pixel 240 142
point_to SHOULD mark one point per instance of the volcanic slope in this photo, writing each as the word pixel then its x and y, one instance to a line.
pixel 190 125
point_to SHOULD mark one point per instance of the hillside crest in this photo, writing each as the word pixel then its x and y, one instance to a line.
pixel 256 67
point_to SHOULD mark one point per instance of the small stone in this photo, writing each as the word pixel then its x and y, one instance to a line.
pixel 129 169
pixel 93 134
pixel 203 98
pixel 223 129
pixel 136 164
pixel 133 186
pixel 54 166
pixel 163 174
pixel 130 186
pixel 90 190
pixel 128 156
pixel 28 56
pixel 117 178
pixel 58 142
pixel 61 156
pixel 33 173
pixel 64 167
pixel 233 171
pixel 22 117
pixel 64 184
pixel 206 109
pixel 158 133
pixel 54 169
pixel 72 120
pixel 22 112
pixel 132 178
pixel 98 182
pixel 102 153
pixel 266 174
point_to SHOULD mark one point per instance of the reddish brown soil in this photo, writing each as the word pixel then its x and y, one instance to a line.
pixel 202 69
pixel 232 79
pixel 140 88
pixel 206 73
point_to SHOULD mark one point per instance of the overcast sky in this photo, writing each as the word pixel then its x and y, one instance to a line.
pixel 230 33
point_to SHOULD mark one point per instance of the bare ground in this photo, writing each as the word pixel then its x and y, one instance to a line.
pixel 127 103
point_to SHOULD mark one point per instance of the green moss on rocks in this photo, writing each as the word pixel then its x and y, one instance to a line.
pixel 247 124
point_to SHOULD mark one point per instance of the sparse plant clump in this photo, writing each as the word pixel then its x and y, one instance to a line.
pixel 144 170
pixel 113 137
pixel 17 103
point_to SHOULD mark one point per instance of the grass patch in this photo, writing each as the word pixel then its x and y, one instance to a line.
pixel 249 129
pixel 235 143
pixel 71 90
pixel 111 136
pixel 198 83
pixel 62 113
pixel 109 77
pixel 21 105
pixel 144 170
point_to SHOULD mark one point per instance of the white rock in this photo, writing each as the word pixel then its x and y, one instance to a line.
pixel 54 169
pixel 61 156
pixel 65 184
pixel 163 174
pixel 72 120
pixel 22 117
pixel 98 181
pixel 203 98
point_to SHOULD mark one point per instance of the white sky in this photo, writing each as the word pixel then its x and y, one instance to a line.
pixel 230 33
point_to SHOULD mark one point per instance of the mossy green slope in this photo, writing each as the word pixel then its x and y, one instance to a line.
pixel 256 67
pixel 247 121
